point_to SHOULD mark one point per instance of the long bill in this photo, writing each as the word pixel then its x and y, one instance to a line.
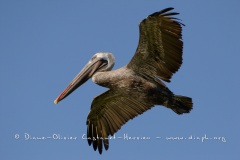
pixel 90 68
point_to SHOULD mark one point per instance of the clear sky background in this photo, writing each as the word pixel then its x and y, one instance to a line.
pixel 44 44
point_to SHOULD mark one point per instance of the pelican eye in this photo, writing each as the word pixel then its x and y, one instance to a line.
pixel 94 57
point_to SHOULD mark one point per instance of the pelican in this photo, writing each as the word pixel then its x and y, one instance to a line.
pixel 136 87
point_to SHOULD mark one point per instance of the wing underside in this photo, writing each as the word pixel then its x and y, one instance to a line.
pixel 159 52
pixel 109 112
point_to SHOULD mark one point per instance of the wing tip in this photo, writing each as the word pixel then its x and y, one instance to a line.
pixel 163 11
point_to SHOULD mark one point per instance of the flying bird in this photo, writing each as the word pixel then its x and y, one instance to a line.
pixel 138 86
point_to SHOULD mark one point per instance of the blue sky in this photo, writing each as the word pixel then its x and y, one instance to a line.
pixel 44 44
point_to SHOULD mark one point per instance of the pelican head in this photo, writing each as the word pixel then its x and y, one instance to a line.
pixel 100 62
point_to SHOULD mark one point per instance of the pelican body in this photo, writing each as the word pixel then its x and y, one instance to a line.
pixel 125 81
pixel 138 86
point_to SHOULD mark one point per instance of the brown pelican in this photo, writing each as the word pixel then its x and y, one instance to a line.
pixel 136 87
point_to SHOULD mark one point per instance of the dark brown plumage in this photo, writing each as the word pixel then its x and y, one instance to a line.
pixel 159 51
pixel 136 87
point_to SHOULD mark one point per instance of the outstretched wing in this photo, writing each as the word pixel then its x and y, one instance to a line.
pixel 159 51
pixel 109 112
